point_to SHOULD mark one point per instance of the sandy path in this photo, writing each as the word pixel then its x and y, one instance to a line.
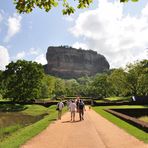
pixel 93 132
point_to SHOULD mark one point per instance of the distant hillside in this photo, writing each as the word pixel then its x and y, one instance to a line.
pixel 67 62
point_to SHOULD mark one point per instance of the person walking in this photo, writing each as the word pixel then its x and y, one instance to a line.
pixel 77 103
pixel 81 110
pixel 72 107
pixel 60 106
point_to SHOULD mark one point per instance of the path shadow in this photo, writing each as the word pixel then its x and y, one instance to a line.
pixel 69 121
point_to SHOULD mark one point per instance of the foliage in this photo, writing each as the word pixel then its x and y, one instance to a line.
pixel 100 86
pixel 11 107
pixel 118 78
pixel 23 80
pixel 2 85
pixel 48 86
pixel 27 6
pixel 59 87
pixel 129 0
pixel 71 87
pixel 137 74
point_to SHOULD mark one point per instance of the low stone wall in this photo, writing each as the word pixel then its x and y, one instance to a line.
pixel 140 124
pixel 118 103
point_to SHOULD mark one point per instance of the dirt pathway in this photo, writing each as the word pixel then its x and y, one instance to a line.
pixel 93 132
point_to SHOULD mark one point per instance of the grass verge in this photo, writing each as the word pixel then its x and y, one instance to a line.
pixel 139 134
pixel 21 136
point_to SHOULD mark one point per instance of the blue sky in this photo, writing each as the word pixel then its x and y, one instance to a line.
pixel 118 31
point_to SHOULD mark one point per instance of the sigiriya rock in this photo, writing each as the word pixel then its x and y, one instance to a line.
pixel 68 62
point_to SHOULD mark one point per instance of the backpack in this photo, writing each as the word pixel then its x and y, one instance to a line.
pixel 57 107
pixel 81 105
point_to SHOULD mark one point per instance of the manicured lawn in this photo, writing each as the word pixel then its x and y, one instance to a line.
pixel 144 118
pixel 35 110
pixel 139 134
pixel 117 98
pixel 23 134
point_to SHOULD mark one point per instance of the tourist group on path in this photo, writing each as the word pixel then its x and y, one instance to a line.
pixel 74 106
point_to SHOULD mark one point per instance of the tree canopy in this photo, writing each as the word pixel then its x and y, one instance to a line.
pixel 27 6
pixel 23 80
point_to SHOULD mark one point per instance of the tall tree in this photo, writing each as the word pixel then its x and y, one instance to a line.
pixel 117 79
pixel 23 80
pixel 137 74
pixel 59 87
pixel 100 86
pixel 71 87
pixel 48 86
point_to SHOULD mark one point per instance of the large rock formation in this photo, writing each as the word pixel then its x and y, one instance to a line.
pixel 67 62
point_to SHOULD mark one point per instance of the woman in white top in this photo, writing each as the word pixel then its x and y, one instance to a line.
pixel 72 107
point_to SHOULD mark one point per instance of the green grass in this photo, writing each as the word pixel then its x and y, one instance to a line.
pixel 35 110
pixel 100 101
pixel 117 98
pixel 24 134
pixel 139 134
pixel 144 118
pixel 6 131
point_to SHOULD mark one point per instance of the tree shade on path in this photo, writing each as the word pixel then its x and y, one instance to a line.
pixel 93 132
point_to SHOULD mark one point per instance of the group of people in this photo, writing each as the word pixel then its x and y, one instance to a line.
pixel 74 106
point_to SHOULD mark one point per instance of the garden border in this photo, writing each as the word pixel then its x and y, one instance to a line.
pixel 140 124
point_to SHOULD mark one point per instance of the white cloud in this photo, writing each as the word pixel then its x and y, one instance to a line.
pixel 14 26
pixel 4 57
pixel 20 55
pixel 41 59
pixel 33 51
pixel 80 45
pixel 121 38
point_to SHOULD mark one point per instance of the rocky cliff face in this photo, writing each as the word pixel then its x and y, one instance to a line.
pixel 66 62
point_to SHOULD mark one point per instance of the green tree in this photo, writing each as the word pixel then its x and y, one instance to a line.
pixel 71 87
pixel 27 6
pixel 100 86
pixel 129 0
pixel 23 80
pixel 84 86
pixel 1 85
pixel 118 82
pixel 59 87
pixel 137 77
pixel 48 86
